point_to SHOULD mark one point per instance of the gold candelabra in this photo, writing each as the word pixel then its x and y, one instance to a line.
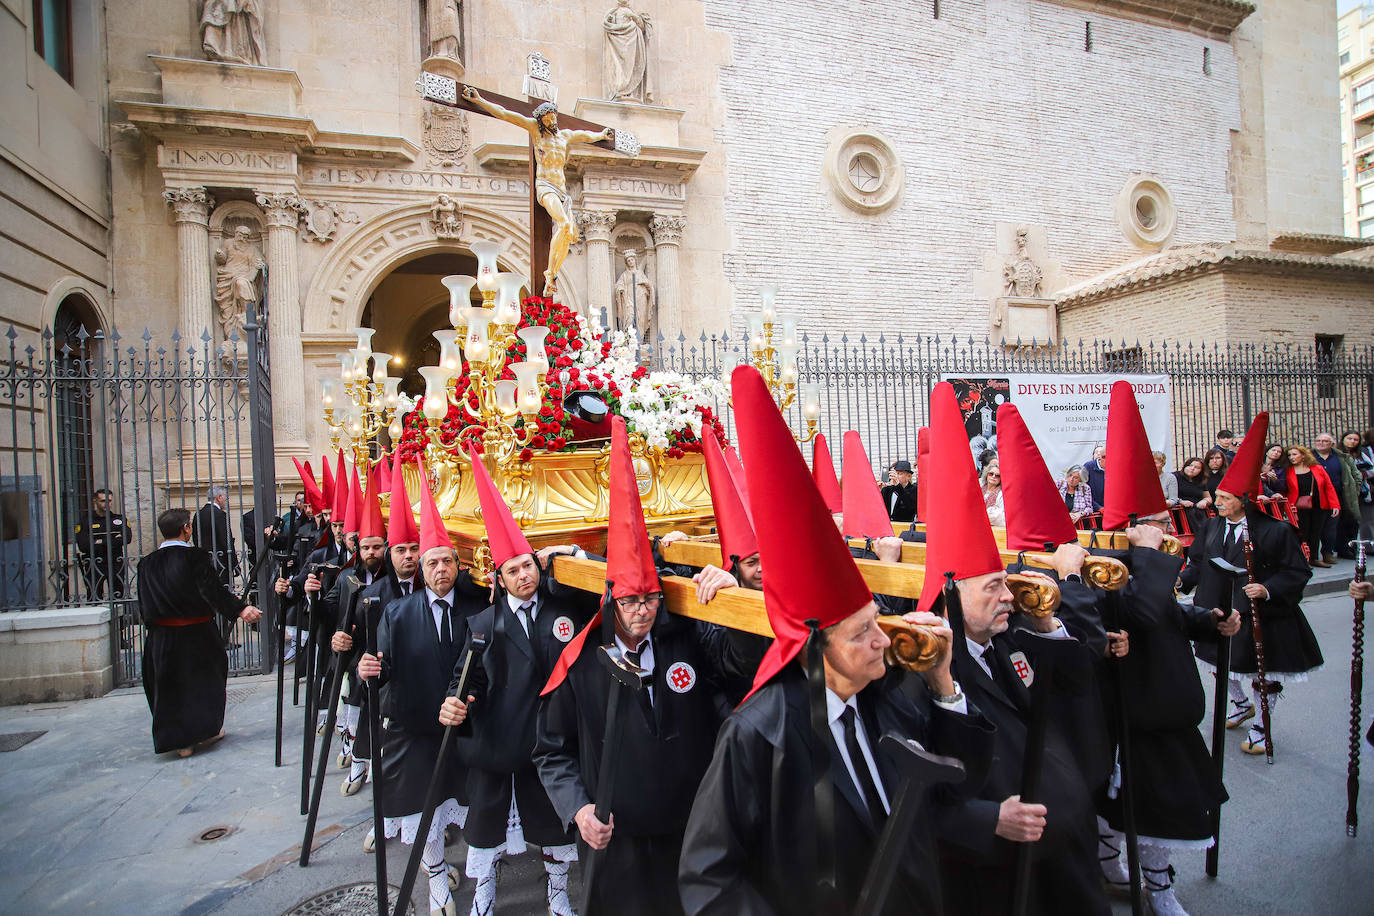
pixel 484 335
pixel 773 352
pixel 362 401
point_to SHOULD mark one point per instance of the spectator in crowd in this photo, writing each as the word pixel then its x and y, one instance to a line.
pixel 1343 479
pixel 100 537
pixel 1311 499
pixel 1350 489
pixel 1078 499
pixel 1226 444
pixel 1191 481
pixel 988 457
pixel 1272 473
pixel 899 496
pixel 210 529
pixel 1214 464
pixel 1095 473
pixel 1167 481
pixel 1364 463
pixel 991 479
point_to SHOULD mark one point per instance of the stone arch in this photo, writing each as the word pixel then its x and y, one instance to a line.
pixel 358 262
pixel 93 295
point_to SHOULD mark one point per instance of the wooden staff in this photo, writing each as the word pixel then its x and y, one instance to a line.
pixel 1258 634
pixel 1352 768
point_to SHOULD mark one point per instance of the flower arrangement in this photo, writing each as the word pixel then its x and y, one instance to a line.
pixel 667 408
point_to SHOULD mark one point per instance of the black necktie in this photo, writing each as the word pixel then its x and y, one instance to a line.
pixel 526 616
pixel 1232 528
pixel 645 682
pixel 445 626
pixel 861 769
pixel 405 589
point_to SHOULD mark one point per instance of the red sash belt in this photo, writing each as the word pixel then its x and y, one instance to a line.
pixel 180 621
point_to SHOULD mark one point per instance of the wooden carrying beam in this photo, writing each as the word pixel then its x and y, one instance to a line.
pixel 1106 573
pixel 904 581
pixel 1107 540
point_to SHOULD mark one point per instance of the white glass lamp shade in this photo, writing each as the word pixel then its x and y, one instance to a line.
pixel 380 361
pixel 505 398
pixel 767 294
pixel 459 296
pixel 391 392
pixel 329 392
pixel 436 391
pixel 450 357
pixel 787 362
pixel 756 338
pixel 475 345
pixel 346 365
pixel 487 253
pixel 364 340
pixel 789 331
pixel 360 363
pixel 527 387
pixel 395 430
pixel 355 422
pixel 508 298
pixel 729 359
pixel 534 346
pixel 811 400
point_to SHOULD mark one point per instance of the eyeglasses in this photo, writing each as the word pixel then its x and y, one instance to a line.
pixel 631 602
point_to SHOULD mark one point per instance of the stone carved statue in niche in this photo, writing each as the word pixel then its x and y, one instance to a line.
pixel 445 218
pixel 444 29
pixel 634 297
pixel 231 30
pixel 1022 276
pixel 626 73
pixel 238 265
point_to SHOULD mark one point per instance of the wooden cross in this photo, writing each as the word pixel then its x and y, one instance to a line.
pixel 443 90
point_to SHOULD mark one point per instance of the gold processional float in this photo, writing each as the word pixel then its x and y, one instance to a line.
pixel 526 380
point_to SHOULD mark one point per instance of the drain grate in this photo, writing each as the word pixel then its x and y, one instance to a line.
pixel 15 740
pixel 214 833
pixel 347 900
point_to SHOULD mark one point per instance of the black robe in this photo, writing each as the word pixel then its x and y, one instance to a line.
pixel 1290 646
pixel 184 666
pixel 414 680
pixel 979 866
pixel 210 532
pixel 662 756
pixel 515 668
pixel 1174 781
pixel 388 589
pixel 750 847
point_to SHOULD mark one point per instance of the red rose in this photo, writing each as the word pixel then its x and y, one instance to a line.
pixel 526 454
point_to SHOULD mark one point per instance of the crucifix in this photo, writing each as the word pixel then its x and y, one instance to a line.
pixel 553 228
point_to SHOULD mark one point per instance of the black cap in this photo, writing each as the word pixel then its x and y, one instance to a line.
pixel 902 466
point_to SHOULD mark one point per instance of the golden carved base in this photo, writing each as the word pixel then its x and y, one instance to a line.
pixel 561 498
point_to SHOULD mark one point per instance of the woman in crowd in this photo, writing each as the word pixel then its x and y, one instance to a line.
pixel 1353 486
pixel 1272 473
pixel 1364 463
pixel 1311 497
pixel 1168 482
pixel 1192 494
pixel 991 479
pixel 1214 464
pixel 1077 497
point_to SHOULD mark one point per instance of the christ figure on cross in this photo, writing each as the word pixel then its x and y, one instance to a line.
pixel 551 158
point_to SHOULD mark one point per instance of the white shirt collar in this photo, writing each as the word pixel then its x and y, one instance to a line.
pixel 175 543
pixel 514 603
pixel 646 651
pixel 835 707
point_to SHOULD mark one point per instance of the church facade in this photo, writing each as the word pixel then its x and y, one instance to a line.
pixel 1024 169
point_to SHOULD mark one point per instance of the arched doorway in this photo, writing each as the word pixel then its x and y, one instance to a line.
pixel 409 305
pixel 73 348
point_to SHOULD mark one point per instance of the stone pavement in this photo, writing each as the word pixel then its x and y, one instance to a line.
pixel 94 821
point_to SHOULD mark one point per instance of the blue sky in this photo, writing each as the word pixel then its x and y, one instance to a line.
pixel 1345 6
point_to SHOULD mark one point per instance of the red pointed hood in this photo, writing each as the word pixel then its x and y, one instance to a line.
pixel 733 522
pixel 353 510
pixel 1132 484
pixel 381 469
pixel 922 467
pixel 433 532
pixel 823 474
pixel 370 523
pixel 328 487
pixel 958 536
pixel 313 496
pixel 810 573
pixel 400 525
pixel 504 537
pixel 339 506
pixel 1036 514
pixel 737 472
pixel 629 557
pixel 864 515
pixel 1242 478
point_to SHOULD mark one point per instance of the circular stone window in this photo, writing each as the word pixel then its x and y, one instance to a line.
pixel 862 168
pixel 1145 212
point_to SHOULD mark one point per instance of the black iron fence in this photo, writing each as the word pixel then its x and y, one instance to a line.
pixel 101 433
pixel 880 385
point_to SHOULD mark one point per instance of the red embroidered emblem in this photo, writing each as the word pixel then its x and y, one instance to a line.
pixel 681 677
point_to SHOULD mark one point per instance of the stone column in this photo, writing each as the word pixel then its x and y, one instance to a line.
pixel 283 212
pixel 195 294
pixel 667 232
pixel 596 229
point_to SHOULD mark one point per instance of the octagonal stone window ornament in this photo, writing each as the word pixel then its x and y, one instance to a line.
pixel 1145 212
pixel 863 169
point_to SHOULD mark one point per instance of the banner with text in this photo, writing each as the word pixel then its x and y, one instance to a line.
pixel 1065 413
